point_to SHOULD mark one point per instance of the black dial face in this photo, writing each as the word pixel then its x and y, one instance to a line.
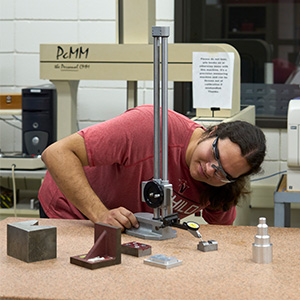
pixel 153 194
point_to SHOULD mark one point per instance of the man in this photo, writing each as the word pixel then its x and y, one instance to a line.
pixel 97 172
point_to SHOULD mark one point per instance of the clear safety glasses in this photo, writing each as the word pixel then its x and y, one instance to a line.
pixel 220 173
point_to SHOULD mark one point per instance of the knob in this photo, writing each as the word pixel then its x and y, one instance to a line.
pixel 35 140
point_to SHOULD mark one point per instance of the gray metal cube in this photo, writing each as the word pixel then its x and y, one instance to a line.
pixel 206 246
pixel 31 242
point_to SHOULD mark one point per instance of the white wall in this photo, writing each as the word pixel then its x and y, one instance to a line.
pixel 276 158
pixel 24 25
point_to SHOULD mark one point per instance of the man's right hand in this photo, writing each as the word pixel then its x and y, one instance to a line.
pixel 119 217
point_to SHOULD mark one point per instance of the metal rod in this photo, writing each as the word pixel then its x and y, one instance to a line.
pixel 156 108
pixel 160 34
pixel 156 103
pixel 164 87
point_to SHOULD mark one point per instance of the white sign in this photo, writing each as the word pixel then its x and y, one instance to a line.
pixel 213 79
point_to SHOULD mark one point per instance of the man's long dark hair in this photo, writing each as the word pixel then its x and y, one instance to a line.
pixel 252 143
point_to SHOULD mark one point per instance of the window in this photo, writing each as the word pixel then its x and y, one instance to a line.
pixel 266 33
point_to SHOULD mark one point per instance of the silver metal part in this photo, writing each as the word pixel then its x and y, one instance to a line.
pixel 156 104
pixel 262 251
pixel 161 34
pixel 163 261
pixel 160 31
pixel 164 116
pixel 210 245
pixel 166 208
pixel 151 225
pixel 195 233
pixel 151 229
pixel 30 242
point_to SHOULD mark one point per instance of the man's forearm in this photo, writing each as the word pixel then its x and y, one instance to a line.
pixel 66 168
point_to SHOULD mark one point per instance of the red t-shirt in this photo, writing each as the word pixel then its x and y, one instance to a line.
pixel 120 155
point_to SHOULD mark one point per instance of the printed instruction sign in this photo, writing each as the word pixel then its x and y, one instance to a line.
pixel 213 79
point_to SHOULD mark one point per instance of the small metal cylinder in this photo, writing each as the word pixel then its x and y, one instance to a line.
pixel 262 251
pixel 32 203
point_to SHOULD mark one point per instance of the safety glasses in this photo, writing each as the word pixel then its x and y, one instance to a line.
pixel 220 173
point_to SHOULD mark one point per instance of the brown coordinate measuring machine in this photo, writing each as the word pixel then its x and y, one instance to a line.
pixel 158 192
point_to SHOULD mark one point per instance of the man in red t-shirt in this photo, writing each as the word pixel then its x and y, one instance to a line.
pixel 97 172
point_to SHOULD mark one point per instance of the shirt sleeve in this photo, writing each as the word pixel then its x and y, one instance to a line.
pixel 219 217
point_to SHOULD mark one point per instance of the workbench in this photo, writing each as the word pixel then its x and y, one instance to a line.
pixel 228 273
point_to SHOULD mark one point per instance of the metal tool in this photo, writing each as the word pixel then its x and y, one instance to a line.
pixel 262 248
pixel 190 226
pixel 158 192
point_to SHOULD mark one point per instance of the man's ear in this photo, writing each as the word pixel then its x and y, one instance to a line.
pixel 213 130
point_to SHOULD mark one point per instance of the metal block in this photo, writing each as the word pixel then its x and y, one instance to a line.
pixel 210 245
pixel 136 249
pixel 160 31
pixel 106 250
pixel 163 261
pixel 31 242
pixel 151 228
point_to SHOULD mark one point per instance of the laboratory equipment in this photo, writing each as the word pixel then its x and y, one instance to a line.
pixel 293 159
pixel 158 192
